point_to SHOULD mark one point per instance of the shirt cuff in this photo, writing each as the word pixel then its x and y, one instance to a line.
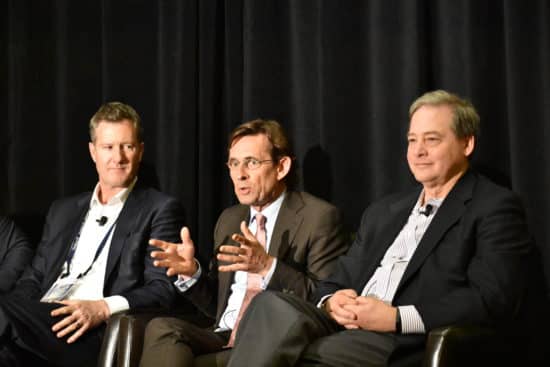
pixel 321 303
pixel 411 322
pixel 269 275
pixel 183 283
pixel 117 304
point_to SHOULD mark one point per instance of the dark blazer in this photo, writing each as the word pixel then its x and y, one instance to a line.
pixel 468 268
pixel 16 252
pixel 307 239
pixel 130 273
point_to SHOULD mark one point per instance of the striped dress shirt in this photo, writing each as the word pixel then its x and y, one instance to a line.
pixel 383 284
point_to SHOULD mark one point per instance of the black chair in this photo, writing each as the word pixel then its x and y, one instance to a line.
pixel 123 339
pixel 446 347
pixel 460 346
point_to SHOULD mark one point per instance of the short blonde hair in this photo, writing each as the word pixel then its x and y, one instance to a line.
pixel 116 112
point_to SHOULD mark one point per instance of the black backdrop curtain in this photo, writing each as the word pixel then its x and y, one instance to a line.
pixel 339 75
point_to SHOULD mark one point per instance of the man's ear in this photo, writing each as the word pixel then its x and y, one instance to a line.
pixel 283 167
pixel 141 150
pixel 91 147
pixel 470 145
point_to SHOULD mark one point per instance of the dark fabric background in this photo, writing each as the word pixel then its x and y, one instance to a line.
pixel 339 75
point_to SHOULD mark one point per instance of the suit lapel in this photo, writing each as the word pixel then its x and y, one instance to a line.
pixel 125 225
pixel 392 223
pixel 225 279
pixel 67 237
pixel 447 215
pixel 288 221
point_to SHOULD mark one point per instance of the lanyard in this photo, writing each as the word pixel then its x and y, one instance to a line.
pixel 97 253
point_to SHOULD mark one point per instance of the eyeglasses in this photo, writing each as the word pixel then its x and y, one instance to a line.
pixel 249 163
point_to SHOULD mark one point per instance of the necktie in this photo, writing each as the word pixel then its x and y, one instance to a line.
pixel 254 281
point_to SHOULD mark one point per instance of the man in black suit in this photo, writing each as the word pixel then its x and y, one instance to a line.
pixel 452 251
pixel 93 259
pixel 303 238
pixel 16 252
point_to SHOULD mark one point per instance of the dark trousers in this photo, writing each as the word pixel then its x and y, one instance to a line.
pixel 173 341
pixel 27 339
pixel 282 330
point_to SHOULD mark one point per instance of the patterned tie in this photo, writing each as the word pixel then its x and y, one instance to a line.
pixel 253 282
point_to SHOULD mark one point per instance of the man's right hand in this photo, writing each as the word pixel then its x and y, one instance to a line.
pixel 335 306
pixel 78 316
pixel 177 258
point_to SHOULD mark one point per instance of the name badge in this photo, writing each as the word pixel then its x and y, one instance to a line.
pixel 60 291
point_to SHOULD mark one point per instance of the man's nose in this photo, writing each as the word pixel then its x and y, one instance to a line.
pixel 242 171
pixel 119 154
pixel 419 148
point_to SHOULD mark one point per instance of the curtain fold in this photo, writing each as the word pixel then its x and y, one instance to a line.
pixel 339 76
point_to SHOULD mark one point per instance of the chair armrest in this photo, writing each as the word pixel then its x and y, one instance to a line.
pixel 460 346
pixel 125 329
pixel 132 330
pixel 107 353
pixel 130 343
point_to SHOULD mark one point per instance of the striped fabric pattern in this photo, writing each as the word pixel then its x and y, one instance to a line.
pixel 383 284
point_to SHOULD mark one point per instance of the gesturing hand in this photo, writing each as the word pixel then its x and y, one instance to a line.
pixel 80 316
pixel 177 258
pixel 250 256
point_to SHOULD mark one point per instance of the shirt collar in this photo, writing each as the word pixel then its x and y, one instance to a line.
pixel 270 211
pixel 119 198
pixel 434 202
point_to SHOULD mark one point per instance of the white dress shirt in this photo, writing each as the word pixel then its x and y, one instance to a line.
pixel 238 287
pixel 91 234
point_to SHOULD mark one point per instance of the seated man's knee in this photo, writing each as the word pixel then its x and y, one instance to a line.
pixel 159 328
pixel 276 300
pixel 270 297
pixel 264 298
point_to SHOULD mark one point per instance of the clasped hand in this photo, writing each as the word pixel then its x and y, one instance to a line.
pixel 250 256
pixel 359 312
pixel 80 316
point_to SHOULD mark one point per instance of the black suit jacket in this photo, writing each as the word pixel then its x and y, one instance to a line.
pixel 16 253
pixel 307 239
pixel 469 266
pixel 130 273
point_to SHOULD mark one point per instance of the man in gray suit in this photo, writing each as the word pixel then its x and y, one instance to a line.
pixel 288 241
pixel 452 250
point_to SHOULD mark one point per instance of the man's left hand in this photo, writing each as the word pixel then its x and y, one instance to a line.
pixel 373 314
pixel 250 256
pixel 80 316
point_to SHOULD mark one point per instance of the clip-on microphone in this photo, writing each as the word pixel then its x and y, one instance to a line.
pixel 428 210
pixel 101 221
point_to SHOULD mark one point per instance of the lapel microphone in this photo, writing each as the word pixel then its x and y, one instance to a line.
pixel 101 221
pixel 428 210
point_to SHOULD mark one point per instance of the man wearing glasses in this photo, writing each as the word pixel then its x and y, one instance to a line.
pixel 277 239
pixel 452 251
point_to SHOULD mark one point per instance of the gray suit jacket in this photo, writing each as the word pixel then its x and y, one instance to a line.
pixel 307 239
